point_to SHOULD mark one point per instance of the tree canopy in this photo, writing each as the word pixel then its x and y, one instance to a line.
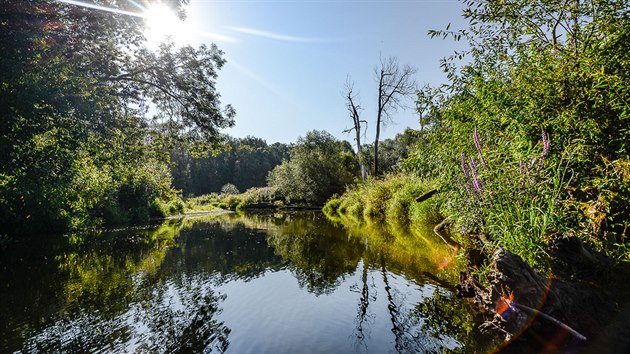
pixel 88 112
pixel 244 162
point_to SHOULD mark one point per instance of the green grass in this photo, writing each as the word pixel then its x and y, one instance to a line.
pixel 214 201
pixel 402 202
pixel 207 202
pixel 389 201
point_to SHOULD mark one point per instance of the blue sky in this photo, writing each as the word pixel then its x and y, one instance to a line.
pixel 288 60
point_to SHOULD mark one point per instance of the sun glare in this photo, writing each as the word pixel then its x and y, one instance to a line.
pixel 162 23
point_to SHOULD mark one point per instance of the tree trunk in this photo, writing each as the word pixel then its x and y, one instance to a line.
pixel 354 108
pixel 518 296
pixel 379 115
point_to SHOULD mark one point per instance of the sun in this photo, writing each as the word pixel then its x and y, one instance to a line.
pixel 161 23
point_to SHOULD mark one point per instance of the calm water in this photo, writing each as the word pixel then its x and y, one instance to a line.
pixel 283 283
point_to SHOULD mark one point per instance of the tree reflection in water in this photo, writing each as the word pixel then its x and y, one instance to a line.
pixel 160 289
pixel 121 296
pixel 177 318
pixel 320 254
pixel 361 331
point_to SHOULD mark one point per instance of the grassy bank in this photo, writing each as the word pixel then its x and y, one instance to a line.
pixel 528 214
pixel 385 213
pixel 263 197
pixel 388 201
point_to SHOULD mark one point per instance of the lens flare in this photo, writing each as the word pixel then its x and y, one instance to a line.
pixel 163 23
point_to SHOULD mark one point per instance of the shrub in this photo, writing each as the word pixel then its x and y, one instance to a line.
pixel 161 208
pixel 403 199
pixel 377 196
pixel 229 188
pixel 331 207
pixel 320 166
pixel 516 205
pixel 390 200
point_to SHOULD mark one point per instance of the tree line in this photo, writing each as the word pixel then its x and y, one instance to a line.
pixel 306 172
pixel 244 162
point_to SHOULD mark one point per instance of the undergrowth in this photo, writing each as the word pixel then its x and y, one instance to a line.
pixel 389 201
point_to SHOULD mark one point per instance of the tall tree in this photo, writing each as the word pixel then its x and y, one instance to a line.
pixel 395 83
pixel 76 85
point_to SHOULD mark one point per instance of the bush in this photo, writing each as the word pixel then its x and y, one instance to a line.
pixel 331 207
pixel 514 204
pixel 399 205
pixel 229 188
pixel 377 196
pixel 260 195
pixel 320 166
pixel 160 208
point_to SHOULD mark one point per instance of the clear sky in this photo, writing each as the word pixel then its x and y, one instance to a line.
pixel 288 60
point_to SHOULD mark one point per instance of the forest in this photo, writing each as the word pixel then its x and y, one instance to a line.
pixel 524 148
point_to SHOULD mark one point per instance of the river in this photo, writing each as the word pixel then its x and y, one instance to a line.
pixel 257 283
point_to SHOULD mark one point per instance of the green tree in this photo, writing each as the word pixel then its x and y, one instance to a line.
pixel 229 188
pixel 393 152
pixel 244 162
pixel 75 88
pixel 319 167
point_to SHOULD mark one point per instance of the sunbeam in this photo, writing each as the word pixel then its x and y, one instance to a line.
pixel 137 5
pixel 161 23
pixel 277 36
pixel 103 8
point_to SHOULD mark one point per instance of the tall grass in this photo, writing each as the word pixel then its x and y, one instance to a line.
pixel 228 201
pixel 378 195
pixel 514 204
pixel 523 223
pixel 389 201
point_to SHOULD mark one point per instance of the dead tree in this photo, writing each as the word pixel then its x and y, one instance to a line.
pixel 354 108
pixel 394 85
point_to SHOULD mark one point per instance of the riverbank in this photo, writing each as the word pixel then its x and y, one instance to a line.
pixel 581 293
pixel 196 214
pixel 263 198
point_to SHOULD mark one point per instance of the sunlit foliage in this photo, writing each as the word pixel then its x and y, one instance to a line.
pixel 80 145
pixel 543 80
pixel 319 167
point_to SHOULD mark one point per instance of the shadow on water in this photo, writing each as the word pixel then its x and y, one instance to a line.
pixel 165 288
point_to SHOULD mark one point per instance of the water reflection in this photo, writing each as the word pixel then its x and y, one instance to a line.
pixel 231 283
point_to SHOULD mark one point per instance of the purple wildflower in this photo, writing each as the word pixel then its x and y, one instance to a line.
pixel 546 143
pixel 475 180
pixel 478 146
pixel 545 152
pixel 464 166
pixel 462 186
pixel 473 165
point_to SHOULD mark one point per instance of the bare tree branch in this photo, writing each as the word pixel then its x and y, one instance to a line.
pixel 354 109
pixel 394 85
